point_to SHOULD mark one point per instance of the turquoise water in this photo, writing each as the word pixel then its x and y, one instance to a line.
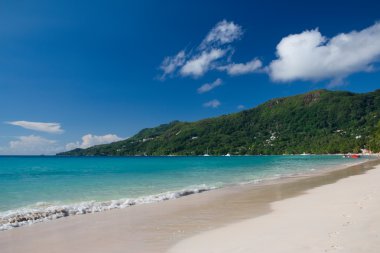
pixel 34 189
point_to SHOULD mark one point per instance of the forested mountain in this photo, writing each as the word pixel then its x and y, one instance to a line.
pixel 320 121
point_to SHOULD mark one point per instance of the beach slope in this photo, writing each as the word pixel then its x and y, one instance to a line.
pixel 339 217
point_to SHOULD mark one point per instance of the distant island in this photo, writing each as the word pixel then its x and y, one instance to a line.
pixel 318 122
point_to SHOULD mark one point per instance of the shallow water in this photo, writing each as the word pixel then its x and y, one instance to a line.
pixel 76 185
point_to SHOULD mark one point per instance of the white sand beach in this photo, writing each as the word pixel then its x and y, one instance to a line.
pixel 339 217
pixel 332 211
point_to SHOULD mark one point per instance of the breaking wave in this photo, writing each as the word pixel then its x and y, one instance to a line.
pixel 45 211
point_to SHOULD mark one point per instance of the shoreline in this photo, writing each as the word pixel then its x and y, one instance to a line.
pixel 156 227
pixel 45 212
pixel 337 217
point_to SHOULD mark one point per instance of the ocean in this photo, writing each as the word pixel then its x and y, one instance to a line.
pixel 35 189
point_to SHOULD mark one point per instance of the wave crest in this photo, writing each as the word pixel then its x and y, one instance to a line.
pixel 45 212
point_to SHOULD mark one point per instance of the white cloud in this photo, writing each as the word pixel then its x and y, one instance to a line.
pixel 241 107
pixel 89 140
pixel 213 104
pixel 242 68
pixel 209 86
pixel 222 33
pixel 210 54
pixel 39 126
pixel 311 56
pixel 31 145
pixel 171 63
pixel 200 64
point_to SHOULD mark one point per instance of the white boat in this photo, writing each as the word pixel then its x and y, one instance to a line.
pixel 228 154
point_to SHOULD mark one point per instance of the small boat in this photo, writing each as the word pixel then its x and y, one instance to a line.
pixel 206 153
pixel 228 154
pixel 353 156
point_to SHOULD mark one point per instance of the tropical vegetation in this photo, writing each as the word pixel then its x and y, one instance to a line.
pixel 319 122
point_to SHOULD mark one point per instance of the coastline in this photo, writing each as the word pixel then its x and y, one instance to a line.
pixel 155 227
pixel 43 210
pixel 338 217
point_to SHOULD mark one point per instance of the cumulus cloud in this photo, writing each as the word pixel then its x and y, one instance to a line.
pixel 171 63
pixel 223 32
pixel 311 56
pixel 31 145
pixel 213 103
pixel 209 86
pixel 89 140
pixel 39 126
pixel 200 64
pixel 242 68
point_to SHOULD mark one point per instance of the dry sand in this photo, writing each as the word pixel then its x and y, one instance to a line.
pixel 287 220
pixel 339 217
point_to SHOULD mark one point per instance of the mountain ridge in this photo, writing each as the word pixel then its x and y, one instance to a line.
pixel 319 121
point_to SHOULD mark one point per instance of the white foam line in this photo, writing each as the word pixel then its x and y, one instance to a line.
pixel 27 216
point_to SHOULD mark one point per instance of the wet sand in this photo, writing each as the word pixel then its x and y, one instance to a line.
pixel 158 227
pixel 339 217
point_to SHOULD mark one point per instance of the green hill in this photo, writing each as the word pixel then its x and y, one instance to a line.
pixel 320 121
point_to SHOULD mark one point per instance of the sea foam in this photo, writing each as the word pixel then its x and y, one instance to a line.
pixel 43 211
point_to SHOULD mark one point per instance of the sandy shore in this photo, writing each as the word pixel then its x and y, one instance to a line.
pixel 339 217
pixel 336 209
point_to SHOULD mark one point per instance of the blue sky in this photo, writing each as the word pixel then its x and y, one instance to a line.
pixel 78 74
